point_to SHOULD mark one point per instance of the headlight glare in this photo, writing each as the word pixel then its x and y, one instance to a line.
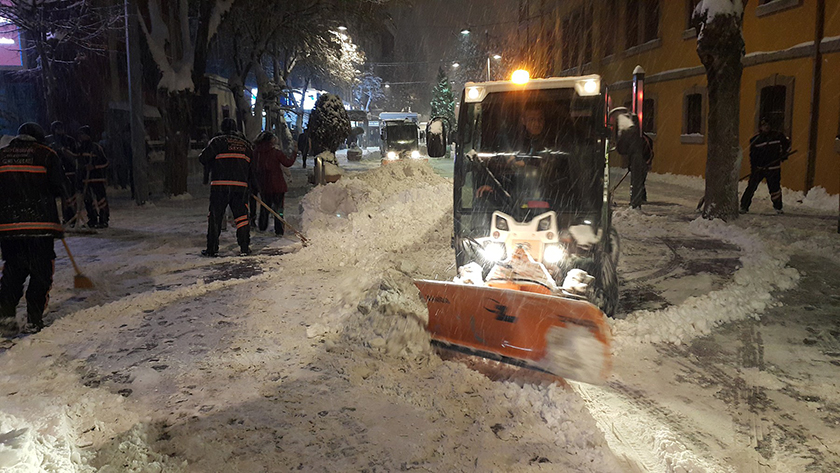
pixel 494 252
pixel 554 254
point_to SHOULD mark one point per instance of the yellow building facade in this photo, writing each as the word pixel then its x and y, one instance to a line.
pixel 612 37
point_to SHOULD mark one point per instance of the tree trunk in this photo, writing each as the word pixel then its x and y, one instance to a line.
pixel 48 79
pixel 177 122
pixel 201 99
pixel 720 46
pixel 300 110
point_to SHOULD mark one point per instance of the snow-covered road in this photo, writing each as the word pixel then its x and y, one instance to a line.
pixel 315 358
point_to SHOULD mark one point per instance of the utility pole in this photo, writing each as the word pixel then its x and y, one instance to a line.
pixel 136 112
pixel 816 85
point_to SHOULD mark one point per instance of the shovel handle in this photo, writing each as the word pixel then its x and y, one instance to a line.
pixel 303 239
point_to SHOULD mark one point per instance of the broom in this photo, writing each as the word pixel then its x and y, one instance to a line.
pixel 80 281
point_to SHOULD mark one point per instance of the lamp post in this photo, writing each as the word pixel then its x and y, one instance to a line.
pixel 639 95
pixel 494 56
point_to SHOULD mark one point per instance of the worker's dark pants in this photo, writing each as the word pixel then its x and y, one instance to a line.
pixel 23 257
pixel 774 185
pixel 275 201
pixel 68 198
pixel 638 176
pixel 96 204
pixel 220 198
pixel 253 209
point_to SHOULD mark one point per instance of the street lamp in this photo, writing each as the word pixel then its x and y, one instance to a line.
pixel 465 31
pixel 342 28
pixel 494 56
pixel 455 65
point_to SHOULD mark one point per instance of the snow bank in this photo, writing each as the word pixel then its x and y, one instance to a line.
pixel 363 225
pixel 748 295
pixel 817 199
pixel 341 215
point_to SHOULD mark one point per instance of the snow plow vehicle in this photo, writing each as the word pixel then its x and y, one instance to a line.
pixel 534 245
pixel 400 140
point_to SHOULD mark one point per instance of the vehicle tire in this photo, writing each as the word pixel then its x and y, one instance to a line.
pixel 603 291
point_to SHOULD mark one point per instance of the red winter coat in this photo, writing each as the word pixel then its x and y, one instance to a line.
pixel 269 168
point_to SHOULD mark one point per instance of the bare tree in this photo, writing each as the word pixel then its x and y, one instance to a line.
pixel 58 34
pixel 368 89
pixel 178 33
pixel 720 46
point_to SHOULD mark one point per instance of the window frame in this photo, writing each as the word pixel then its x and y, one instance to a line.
pixel 774 80
pixel 641 44
pixel 690 32
pixel 775 6
pixel 685 137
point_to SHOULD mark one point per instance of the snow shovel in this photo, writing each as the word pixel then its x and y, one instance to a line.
pixel 303 239
pixel 621 180
pixel 80 281
pixel 703 199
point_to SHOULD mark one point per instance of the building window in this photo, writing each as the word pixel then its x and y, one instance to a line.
pixel 774 100
pixel 586 13
pixel 569 48
pixel 632 19
pixel 577 39
pixel 694 116
pixel 609 25
pixel 651 21
pixel 772 105
pixel 642 18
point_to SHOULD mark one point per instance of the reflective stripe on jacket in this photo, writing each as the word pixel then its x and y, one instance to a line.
pixel 31 178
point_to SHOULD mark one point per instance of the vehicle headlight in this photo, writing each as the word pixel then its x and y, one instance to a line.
pixel 415 154
pixel 501 224
pixel 494 252
pixel 544 224
pixel 392 155
pixel 554 254
pixel 588 87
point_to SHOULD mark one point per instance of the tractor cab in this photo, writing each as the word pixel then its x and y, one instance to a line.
pixel 532 177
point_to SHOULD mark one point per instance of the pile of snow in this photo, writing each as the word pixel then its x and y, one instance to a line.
pixel 817 198
pixel 363 225
pixel 764 270
pixel 342 214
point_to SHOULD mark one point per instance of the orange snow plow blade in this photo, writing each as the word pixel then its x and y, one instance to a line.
pixel 562 336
